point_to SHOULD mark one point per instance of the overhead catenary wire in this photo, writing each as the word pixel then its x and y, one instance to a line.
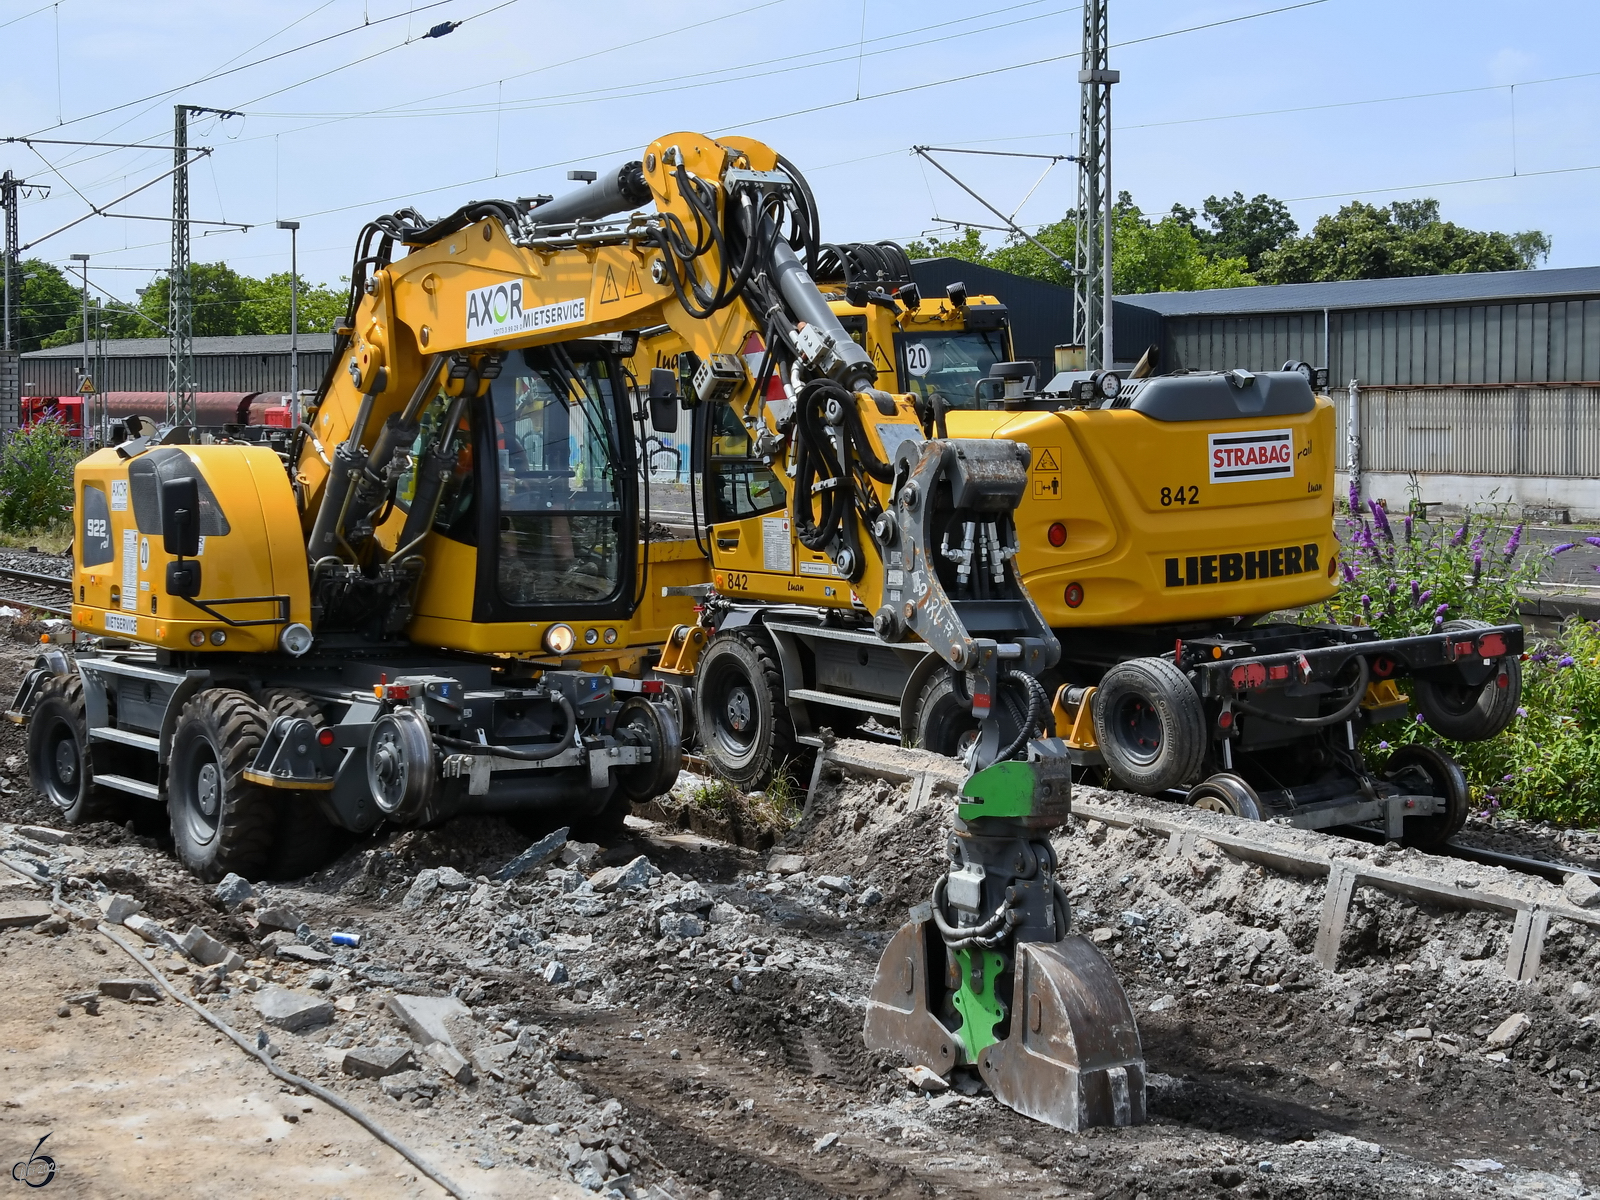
pixel 243 67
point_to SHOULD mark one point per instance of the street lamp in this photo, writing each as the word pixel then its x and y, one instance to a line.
pixel 294 321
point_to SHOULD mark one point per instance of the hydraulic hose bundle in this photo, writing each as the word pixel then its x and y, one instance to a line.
pixel 818 469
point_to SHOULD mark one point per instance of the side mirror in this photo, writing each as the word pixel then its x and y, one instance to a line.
pixel 180 516
pixel 183 578
pixel 663 399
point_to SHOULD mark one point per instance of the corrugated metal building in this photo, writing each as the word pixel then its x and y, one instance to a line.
pixel 221 364
pixel 1470 383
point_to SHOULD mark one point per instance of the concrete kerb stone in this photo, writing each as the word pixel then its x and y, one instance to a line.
pixel 19 914
pixel 428 1018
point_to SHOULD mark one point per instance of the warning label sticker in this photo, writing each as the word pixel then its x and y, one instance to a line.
pixel 1046 475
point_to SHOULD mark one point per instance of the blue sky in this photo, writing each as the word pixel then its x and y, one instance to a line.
pixel 525 90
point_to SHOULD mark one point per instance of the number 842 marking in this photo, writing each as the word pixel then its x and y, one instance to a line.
pixel 1182 494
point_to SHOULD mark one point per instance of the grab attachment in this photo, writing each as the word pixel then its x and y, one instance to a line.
pixel 986 974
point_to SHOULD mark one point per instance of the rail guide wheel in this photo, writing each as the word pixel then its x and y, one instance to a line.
pixel 987 975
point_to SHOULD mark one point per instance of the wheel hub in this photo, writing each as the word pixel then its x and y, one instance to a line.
pixel 207 789
pixel 739 709
pixel 66 763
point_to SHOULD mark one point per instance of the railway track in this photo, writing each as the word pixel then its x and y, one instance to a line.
pixel 43 593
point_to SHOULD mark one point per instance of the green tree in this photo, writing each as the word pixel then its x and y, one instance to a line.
pixel 1239 228
pixel 1406 237
pixel 968 247
pixel 48 301
pixel 321 308
pixel 1146 256
pixel 219 294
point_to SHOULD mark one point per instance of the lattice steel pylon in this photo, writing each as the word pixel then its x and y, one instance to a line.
pixel 180 300
pixel 1092 261
pixel 12 191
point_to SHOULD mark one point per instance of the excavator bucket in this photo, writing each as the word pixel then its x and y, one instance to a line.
pixel 1072 1057
pixel 986 975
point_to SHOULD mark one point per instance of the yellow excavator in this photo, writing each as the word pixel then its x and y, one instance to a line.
pixel 395 619
pixel 1166 519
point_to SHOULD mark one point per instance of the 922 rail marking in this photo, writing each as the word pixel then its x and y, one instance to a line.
pixel 1182 494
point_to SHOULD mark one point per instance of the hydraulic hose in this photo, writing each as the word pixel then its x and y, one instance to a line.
pixel 1037 701
pixel 1345 712
pixel 988 935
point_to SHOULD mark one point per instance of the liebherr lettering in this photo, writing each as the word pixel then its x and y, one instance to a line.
pixel 1198 570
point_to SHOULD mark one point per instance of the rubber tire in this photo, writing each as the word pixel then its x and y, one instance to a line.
pixel 1144 703
pixel 57 719
pixel 1227 794
pixel 944 714
pixel 303 840
pixel 1447 780
pixel 224 728
pixel 1456 712
pixel 743 660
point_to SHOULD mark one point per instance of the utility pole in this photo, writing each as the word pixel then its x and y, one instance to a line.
pixel 180 301
pixel 294 321
pixel 84 375
pixel 12 190
pixel 1092 278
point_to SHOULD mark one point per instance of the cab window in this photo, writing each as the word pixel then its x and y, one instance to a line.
pixel 948 363
pixel 559 478
pixel 742 485
pixel 95 536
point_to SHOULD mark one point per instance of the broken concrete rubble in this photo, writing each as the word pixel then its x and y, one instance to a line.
pixel 374 1062
pixel 232 891
pixel 1582 890
pixel 450 1061
pixel 127 989
pixel 639 873
pixel 279 917
pixel 290 1010
pixel 786 864
pixel 117 908
pixel 535 855
pixel 1509 1032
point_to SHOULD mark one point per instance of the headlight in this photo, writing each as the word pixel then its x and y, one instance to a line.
pixel 1109 384
pixel 295 639
pixel 611 637
pixel 591 636
pixel 559 639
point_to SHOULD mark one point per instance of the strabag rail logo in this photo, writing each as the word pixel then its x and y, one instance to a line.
pixel 496 312
pixel 1255 454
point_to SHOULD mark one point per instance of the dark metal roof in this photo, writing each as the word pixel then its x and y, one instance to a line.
pixel 1408 292
pixel 265 343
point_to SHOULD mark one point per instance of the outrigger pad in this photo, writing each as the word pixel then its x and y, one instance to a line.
pixel 1072 1058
